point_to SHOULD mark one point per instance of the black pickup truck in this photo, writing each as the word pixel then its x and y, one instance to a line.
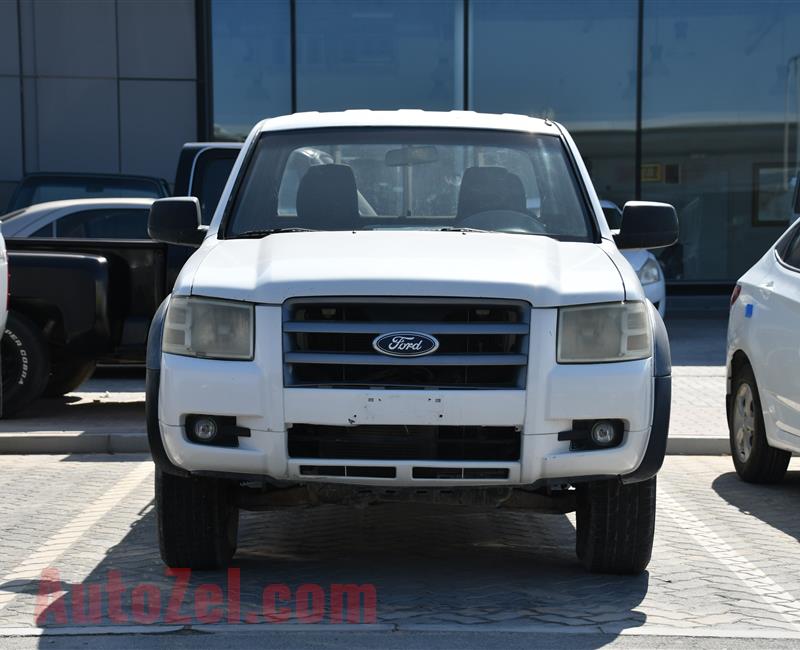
pixel 75 303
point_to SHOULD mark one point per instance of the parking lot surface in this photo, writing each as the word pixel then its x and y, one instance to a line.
pixel 724 561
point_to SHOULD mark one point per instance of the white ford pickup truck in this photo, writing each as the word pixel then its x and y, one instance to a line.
pixel 376 313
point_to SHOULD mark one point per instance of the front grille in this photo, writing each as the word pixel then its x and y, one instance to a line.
pixel 400 442
pixel 329 343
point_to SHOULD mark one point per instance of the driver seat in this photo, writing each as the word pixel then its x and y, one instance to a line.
pixel 489 188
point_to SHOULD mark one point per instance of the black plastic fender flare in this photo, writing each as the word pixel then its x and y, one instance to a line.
pixel 152 385
pixel 662 401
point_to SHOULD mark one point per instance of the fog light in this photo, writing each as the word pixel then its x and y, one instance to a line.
pixel 603 433
pixel 205 429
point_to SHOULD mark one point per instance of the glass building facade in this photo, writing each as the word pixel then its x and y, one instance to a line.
pixel 694 103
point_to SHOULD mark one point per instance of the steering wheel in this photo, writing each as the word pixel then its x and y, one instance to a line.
pixel 509 221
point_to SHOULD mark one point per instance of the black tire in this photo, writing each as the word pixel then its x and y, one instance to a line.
pixel 66 374
pixel 616 525
pixel 755 461
pixel 198 521
pixel 26 363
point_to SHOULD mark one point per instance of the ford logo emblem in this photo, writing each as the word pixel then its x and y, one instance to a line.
pixel 405 344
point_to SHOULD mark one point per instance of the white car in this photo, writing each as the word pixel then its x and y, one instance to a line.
pixel 3 301
pixel 443 343
pixel 763 396
pixel 643 262
pixel 81 218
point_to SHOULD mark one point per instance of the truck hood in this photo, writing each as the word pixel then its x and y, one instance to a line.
pixel 540 270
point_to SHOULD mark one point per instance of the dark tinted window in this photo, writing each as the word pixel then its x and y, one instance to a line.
pixel 252 64
pixel 718 89
pixel 211 173
pixel 120 223
pixel 613 217
pixel 520 62
pixel 790 251
pixel 379 55
pixel 44 231
pixel 42 189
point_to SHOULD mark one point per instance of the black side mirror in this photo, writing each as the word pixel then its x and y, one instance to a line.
pixel 176 221
pixel 647 225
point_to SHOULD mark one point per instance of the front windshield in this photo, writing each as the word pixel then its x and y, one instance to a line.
pixel 406 178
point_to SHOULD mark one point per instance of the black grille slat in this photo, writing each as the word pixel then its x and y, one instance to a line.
pixel 399 442
pixel 482 344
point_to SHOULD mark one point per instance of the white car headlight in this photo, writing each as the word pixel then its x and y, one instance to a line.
pixel 604 333
pixel 650 272
pixel 212 329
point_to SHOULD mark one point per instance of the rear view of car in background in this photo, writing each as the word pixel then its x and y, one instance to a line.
pixel 643 262
pixel 81 219
pixel 43 187
pixel 763 394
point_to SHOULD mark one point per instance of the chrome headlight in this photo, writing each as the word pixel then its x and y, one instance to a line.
pixel 212 329
pixel 604 333
pixel 650 272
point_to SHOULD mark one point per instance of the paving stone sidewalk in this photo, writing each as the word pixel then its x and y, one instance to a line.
pixel 725 560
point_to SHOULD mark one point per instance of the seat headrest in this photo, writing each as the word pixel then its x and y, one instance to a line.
pixel 327 198
pixel 489 188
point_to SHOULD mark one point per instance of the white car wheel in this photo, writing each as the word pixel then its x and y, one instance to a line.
pixel 744 422
pixel 755 461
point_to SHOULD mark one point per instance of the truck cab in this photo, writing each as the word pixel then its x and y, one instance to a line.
pixel 436 311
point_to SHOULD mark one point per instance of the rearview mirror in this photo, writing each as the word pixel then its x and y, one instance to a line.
pixel 176 221
pixel 646 224
pixel 412 155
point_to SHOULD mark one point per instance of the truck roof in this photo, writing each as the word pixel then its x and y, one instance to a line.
pixel 410 118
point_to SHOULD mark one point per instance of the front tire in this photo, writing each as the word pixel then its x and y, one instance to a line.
pixel 755 461
pixel 26 363
pixel 198 521
pixel 616 525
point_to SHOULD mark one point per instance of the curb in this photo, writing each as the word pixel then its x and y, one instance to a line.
pixel 698 446
pixel 80 442
pixel 73 442
pixel 288 629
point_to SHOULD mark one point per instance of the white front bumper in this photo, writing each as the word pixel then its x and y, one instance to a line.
pixel 556 395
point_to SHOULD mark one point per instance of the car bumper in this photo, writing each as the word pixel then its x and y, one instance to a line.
pixel 254 394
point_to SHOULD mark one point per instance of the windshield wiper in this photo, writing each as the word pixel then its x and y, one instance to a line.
pixel 258 234
pixel 457 229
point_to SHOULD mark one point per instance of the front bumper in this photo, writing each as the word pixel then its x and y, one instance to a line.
pixel 253 392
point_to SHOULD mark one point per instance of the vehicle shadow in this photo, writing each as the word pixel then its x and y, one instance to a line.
pixel 427 566
pixel 773 504
pixel 87 412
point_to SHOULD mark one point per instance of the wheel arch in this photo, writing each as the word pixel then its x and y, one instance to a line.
pixel 738 360
pixel 662 403
pixel 152 386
